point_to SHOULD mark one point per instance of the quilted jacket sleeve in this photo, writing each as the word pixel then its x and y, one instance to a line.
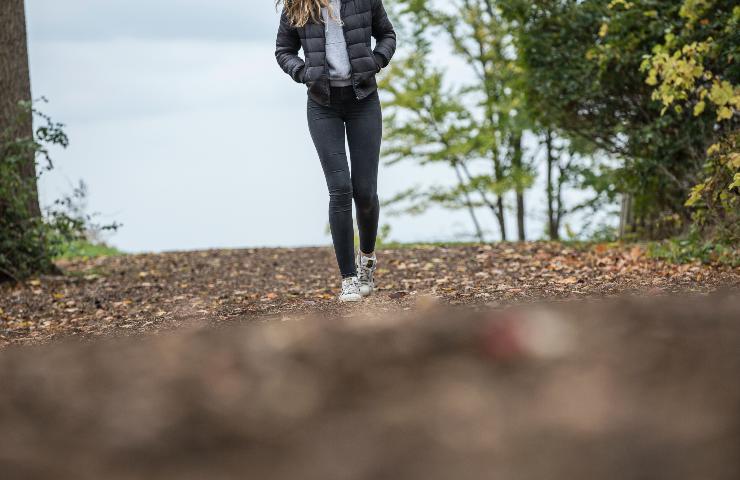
pixel 286 49
pixel 384 33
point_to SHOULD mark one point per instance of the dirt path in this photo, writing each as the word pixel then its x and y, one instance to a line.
pixel 149 293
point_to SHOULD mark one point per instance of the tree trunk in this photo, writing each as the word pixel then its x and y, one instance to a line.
pixel 15 86
pixel 499 210
pixel 516 163
pixel 16 122
pixel 626 216
pixel 559 207
pixel 500 217
pixel 469 204
pixel 498 172
pixel 553 227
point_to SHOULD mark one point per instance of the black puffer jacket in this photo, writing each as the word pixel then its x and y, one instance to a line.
pixel 362 18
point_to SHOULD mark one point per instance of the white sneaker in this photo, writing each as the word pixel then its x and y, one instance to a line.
pixel 365 269
pixel 350 290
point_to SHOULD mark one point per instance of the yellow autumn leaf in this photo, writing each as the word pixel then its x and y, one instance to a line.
pixel 721 92
pixel 699 108
pixel 695 195
pixel 736 182
pixel 734 160
pixel 603 30
pixel 652 78
pixel 624 3
pixel 724 113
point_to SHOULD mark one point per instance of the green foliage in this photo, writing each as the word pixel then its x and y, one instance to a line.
pixel 716 199
pixel 604 234
pixel 693 248
pixel 695 69
pixel 86 249
pixel 452 244
pixel 382 239
pixel 638 100
pixel 476 129
pixel 29 242
pixel 695 66
pixel 384 236
pixel 636 79
pixel 428 124
pixel 592 89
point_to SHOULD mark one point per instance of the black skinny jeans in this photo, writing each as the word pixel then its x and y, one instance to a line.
pixel 363 122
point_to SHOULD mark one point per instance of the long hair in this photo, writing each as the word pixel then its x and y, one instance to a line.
pixel 301 12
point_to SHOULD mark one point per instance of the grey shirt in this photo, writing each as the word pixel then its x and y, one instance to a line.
pixel 337 58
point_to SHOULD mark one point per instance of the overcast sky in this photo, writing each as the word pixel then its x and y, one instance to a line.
pixel 188 133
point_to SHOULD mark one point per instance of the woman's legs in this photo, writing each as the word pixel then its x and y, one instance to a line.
pixel 364 131
pixel 327 131
pixel 363 122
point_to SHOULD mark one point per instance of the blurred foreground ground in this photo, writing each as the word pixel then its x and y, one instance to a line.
pixel 630 389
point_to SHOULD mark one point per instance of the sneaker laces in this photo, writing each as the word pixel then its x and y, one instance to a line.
pixel 349 285
pixel 365 272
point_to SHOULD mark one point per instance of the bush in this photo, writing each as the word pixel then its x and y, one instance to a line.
pixel 693 248
pixel 716 200
pixel 29 242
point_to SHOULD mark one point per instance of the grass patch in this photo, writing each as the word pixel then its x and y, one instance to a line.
pixel 84 249
pixel 403 246
pixel 580 245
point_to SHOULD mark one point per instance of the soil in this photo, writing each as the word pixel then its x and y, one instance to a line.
pixel 131 294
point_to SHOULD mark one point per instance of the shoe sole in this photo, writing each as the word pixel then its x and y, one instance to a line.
pixel 350 298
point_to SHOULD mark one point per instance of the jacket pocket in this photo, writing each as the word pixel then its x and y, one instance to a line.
pixel 305 71
pixel 371 54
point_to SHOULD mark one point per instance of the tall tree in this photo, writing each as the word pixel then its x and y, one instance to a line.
pixel 23 239
pixel 426 123
pixel 478 34
pixel 15 87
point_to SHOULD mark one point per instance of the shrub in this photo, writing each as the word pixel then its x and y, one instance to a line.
pixel 29 242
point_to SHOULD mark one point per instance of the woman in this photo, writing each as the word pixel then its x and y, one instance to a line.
pixel 339 73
